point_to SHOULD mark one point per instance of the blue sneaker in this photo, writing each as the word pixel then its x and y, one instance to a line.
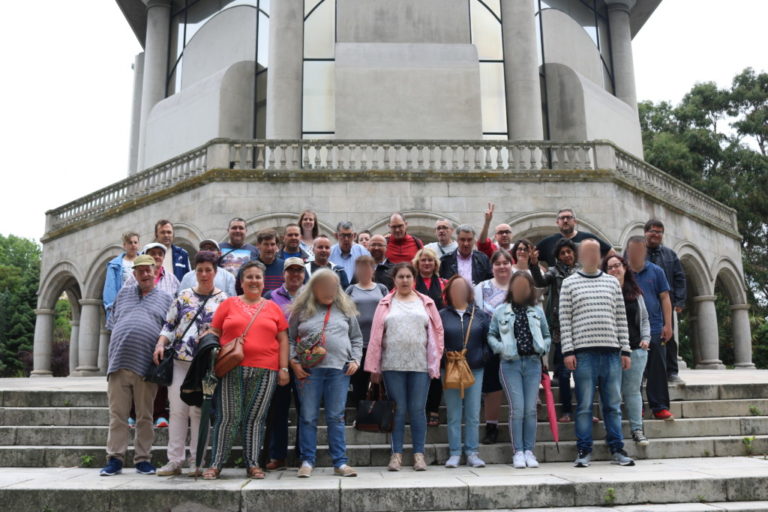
pixel 131 423
pixel 114 467
pixel 145 468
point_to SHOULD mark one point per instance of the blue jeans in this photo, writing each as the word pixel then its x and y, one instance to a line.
pixel 329 386
pixel 468 409
pixel 521 378
pixel 631 388
pixel 409 391
pixel 598 369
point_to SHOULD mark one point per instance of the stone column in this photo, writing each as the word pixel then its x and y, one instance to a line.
pixel 103 351
pixel 133 148
pixel 286 61
pixel 73 346
pixel 707 336
pixel 155 66
pixel 621 50
pixel 521 70
pixel 742 336
pixel 681 365
pixel 42 344
pixel 88 342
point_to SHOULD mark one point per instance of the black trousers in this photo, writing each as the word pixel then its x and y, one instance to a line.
pixel 435 395
pixel 359 382
pixel 656 387
pixel 672 368
pixel 563 378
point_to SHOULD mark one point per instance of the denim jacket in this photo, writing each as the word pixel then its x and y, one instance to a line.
pixel 501 334
pixel 113 282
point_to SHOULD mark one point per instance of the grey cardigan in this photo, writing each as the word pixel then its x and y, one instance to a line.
pixel 343 339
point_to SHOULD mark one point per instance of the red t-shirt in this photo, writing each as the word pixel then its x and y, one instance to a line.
pixel 402 250
pixel 261 348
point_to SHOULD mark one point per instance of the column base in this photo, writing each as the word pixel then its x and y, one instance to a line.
pixel 41 373
pixel 681 364
pixel 744 366
pixel 86 371
pixel 710 365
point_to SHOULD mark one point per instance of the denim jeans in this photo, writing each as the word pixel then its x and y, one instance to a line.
pixel 657 387
pixel 563 376
pixel 521 378
pixel 603 370
pixel 631 389
pixel 468 409
pixel 409 391
pixel 329 386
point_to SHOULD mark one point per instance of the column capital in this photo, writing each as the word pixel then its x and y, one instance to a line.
pixel 90 302
pixel 705 298
pixel 158 3
pixel 739 307
pixel 620 5
pixel 45 312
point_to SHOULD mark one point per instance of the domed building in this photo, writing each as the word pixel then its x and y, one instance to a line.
pixel 360 108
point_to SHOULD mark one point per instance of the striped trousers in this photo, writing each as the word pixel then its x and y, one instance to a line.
pixel 242 406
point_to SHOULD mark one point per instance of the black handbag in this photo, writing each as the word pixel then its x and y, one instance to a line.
pixel 162 374
pixel 375 415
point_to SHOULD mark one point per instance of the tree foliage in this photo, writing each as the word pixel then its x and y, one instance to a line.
pixel 716 139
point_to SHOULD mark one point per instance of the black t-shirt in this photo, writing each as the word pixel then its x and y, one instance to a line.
pixel 547 246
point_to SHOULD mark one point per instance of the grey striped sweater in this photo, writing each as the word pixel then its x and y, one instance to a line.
pixel 592 314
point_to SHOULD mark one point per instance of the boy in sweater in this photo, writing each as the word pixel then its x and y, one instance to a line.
pixel 595 344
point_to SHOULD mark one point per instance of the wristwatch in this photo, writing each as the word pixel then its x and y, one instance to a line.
pixel 284 370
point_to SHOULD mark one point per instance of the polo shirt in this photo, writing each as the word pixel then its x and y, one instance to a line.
pixel 347 261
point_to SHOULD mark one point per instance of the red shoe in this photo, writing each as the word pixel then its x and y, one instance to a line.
pixel 664 414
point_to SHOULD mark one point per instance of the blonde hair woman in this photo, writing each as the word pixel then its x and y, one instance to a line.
pixel 323 312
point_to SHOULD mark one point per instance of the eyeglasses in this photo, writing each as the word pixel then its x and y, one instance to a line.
pixel 346 235
pixel 438 228
pixel 375 244
pixel 504 232
pixel 615 266
pixel 565 217
pixel 396 226
pixel 655 231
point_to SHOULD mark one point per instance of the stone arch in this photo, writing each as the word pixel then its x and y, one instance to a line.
pixel 631 230
pixel 63 276
pixel 726 272
pixel 539 224
pixel 697 274
pixel 97 271
pixel 421 223
pixel 188 237
pixel 728 278
pixel 275 220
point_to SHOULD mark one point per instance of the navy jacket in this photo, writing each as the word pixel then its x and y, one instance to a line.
pixel 180 262
pixel 667 259
pixel 481 266
pixel 454 330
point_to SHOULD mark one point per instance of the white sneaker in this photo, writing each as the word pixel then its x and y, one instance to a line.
pixel 519 460
pixel 453 461
pixel 474 461
pixel 530 459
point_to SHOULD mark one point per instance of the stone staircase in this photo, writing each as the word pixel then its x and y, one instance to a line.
pixel 721 425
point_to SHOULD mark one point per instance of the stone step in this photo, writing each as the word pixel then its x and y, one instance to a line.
pixel 723 506
pixel 695 427
pixel 673 485
pixel 72 416
pixel 79 398
pixel 435 453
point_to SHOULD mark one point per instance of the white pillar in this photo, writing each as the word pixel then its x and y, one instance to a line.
pixel 621 50
pixel 521 70
pixel 133 147
pixel 155 66
pixel 707 335
pixel 286 60
pixel 73 344
pixel 43 343
pixel 103 351
pixel 88 342
pixel 681 364
pixel 742 336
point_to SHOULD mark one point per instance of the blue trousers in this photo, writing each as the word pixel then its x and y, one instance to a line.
pixel 409 391
pixel 598 370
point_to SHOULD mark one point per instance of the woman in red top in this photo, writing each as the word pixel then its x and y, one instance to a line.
pixel 429 282
pixel 245 392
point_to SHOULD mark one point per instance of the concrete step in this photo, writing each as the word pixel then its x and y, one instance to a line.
pixel 73 416
pixel 669 485
pixel 695 427
pixel 377 454
pixel 724 506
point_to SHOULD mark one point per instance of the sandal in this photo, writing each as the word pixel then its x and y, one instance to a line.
pixel 434 419
pixel 211 474
pixel 255 473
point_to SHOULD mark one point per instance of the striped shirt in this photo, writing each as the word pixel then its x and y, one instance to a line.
pixel 135 323
pixel 592 314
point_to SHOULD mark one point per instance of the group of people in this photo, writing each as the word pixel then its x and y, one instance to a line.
pixel 389 310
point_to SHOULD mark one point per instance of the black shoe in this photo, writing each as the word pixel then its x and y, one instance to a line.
pixel 491 433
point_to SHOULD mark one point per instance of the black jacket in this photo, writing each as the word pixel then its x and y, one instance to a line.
pixel 667 259
pixel 553 279
pixel 192 388
pixel 478 351
pixel 481 266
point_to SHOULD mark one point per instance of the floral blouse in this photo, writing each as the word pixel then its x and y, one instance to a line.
pixel 180 314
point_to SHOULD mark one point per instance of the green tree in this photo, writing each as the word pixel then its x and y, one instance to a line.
pixel 19 275
pixel 717 141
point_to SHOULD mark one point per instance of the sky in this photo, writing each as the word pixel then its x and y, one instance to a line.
pixel 65 93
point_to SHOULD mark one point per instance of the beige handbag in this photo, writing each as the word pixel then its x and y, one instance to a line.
pixel 458 374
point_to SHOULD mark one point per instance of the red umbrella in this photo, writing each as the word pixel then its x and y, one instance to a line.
pixel 546 383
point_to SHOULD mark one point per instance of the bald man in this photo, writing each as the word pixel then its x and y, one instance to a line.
pixel 502 235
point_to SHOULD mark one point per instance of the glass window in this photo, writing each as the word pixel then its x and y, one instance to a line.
pixel 320 30
pixel 492 97
pixel 486 31
pixel 319 110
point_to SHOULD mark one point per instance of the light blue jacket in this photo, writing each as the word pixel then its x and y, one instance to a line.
pixel 501 334
pixel 113 282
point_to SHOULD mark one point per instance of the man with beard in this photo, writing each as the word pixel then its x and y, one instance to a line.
pixel 322 250
pixel 566 222
pixel 502 235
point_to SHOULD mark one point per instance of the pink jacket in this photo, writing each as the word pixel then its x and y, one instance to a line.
pixel 435 342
